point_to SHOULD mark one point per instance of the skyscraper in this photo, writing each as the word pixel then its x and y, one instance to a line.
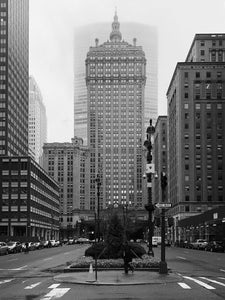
pixel 14 77
pixel 84 37
pixel 29 197
pixel 196 114
pixel 115 77
pixel 37 120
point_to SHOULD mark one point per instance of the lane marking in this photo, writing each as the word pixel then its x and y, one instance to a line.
pixel 181 257
pixel 205 285
pixel 15 269
pixel 222 270
pixel 48 258
pixel 29 287
pixel 184 285
pixel 221 278
pixel 20 268
pixel 66 253
pixel 53 286
pixel 6 280
pixel 55 293
pixel 13 259
pixel 214 281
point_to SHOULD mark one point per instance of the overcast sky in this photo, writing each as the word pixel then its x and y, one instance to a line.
pixel 52 24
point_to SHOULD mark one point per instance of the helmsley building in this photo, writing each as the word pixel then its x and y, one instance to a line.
pixel 115 78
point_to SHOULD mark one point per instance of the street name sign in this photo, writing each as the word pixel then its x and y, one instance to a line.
pixel 163 205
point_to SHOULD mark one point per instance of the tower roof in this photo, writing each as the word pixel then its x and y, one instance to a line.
pixel 115 35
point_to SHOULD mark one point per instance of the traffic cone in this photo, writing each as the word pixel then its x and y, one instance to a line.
pixel 91 277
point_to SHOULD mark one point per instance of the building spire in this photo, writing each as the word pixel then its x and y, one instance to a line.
pixel 115 35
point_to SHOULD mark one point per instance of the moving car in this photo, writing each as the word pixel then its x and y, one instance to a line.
pixel 14 247
pixel 3 248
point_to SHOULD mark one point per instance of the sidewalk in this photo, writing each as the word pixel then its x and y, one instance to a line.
pixel 117 277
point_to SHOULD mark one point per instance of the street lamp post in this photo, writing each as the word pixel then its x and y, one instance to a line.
pixel 97 229
pixel 149 170
pixel 163 265
pixel 98 205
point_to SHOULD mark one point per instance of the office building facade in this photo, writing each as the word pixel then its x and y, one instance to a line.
pixel 37 121
pixel 196 124
pixel 115 77
pixel 68 164
pixel 84 37
pixel 14 77
pixel 29 205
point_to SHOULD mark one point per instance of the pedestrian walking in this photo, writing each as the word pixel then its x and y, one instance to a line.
pixel 127 257
pixel 26 247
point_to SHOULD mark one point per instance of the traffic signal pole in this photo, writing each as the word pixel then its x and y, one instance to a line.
pixel 149 167
pixel 163 265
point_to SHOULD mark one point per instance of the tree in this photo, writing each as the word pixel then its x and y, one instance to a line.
pixel 114 238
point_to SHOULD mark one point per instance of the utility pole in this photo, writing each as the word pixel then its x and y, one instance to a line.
pixel 149 171
pixel 163 265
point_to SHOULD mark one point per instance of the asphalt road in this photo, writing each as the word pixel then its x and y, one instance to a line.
pixel 202 277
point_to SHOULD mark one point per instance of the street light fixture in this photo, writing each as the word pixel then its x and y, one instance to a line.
pixel 149 171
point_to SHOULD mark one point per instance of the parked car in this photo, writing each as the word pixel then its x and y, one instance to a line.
pixel 39 245
pixel 215 246
pixel 70 242
pixel 199 244
pixel 82 240
pixel 167 243
pixel 58 243
pixel 54 243
pixel 47 244
pixel 3 248
pixel 31 246
pixel 14 247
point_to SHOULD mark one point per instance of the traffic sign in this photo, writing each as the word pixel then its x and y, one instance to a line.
pixel 163 205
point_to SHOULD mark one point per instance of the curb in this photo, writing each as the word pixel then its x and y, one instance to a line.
pixel 117 280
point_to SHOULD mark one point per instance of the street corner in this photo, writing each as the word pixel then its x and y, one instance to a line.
pixel 118 278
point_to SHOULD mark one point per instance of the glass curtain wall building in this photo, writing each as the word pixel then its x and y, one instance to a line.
pixel 14 77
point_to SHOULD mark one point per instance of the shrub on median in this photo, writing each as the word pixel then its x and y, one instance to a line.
pixel 144 262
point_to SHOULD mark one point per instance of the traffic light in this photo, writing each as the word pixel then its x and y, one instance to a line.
pixel 157 221
pixel 163 180
pixel 170 221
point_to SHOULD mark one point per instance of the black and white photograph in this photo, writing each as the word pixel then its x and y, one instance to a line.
pixel 112 149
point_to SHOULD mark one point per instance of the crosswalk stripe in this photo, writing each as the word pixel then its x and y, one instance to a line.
pixel 53 286
pixel 205 285
pixel 55 293
pixel 29 287
pixel 184 285
pixel 6 280
pixel 214 281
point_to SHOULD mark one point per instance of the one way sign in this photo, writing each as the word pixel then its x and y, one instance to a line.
pixel 163 205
